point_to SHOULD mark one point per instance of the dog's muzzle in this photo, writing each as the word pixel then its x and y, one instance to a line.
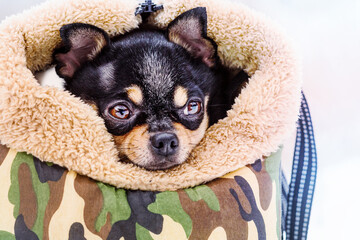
pixel 165 144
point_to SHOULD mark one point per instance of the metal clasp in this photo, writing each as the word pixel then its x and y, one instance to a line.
pixel 148 7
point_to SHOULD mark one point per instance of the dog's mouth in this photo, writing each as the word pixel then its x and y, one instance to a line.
pixel 161 164
pixel 153 161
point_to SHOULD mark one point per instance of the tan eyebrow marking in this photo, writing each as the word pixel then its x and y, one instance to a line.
pixel 135 94
pixel 180 96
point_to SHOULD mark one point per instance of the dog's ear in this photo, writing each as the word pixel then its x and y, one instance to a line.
pixel 80 43
pixel 189 31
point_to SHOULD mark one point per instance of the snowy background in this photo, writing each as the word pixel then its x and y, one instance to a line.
pixel 326 34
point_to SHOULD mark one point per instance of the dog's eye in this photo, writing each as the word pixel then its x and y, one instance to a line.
pixel 120 111
pixel 193 107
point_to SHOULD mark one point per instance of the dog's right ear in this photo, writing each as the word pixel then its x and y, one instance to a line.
pixel 189 30
pixel 80 43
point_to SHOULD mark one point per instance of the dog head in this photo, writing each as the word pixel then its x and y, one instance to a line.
pixel 152 88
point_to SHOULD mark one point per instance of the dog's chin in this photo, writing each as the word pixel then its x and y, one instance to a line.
pixel 162 163
pixel 160 166
pixel 157 163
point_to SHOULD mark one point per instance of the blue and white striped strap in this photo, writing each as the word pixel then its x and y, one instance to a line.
pixel 303 176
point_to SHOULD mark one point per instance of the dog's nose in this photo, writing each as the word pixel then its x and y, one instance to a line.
pixel 165 144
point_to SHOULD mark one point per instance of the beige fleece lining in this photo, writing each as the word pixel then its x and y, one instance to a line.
pixel 57 127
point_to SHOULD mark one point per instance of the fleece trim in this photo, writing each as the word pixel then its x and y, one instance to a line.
pixel 57 127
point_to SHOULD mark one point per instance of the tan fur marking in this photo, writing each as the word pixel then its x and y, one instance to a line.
pixel 135 94
pixel 134 145
pixel 180 96
pixel 189 139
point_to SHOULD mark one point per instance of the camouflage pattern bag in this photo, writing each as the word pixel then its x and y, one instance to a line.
pixel 43 201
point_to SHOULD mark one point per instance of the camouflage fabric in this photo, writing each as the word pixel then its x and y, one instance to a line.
pixel 44 201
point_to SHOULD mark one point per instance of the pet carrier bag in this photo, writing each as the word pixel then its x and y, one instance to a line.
pixel 59 170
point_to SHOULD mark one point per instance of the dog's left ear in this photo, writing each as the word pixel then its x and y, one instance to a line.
pixel 189 31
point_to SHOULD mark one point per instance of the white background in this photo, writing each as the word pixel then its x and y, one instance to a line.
pixel 326 34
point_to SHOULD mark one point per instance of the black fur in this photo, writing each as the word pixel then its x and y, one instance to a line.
pixel 127 55
pixel 149 60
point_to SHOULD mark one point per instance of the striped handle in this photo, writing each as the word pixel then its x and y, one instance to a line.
pixel 301 190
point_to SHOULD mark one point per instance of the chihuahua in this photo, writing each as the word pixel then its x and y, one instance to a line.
pixel 154 89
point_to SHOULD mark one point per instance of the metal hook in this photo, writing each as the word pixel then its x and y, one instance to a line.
pixel 148 7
